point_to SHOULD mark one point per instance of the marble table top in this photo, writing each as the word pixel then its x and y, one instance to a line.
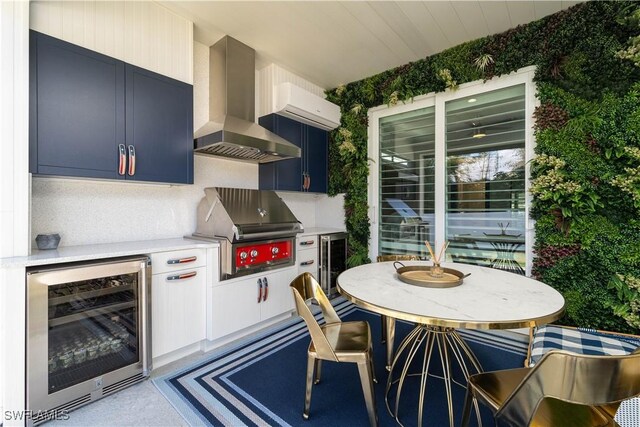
pixel 487 299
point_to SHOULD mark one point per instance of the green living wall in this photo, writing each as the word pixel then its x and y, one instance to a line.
pixel 586 176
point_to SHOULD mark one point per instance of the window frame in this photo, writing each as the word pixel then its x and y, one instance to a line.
pixel 438 100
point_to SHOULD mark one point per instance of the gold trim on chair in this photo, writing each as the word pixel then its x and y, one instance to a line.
pixel 562 389
pixel 335 341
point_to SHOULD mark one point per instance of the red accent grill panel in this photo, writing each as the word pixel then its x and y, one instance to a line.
pixel 264 254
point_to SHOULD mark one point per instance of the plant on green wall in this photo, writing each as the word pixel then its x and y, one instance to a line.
pixel 627 303
pixel 586 184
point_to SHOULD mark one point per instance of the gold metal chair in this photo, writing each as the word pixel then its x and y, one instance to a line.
pixel 562 389
pixel 389 323
pixel 336 341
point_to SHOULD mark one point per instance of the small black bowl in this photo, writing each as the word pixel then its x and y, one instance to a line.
pixel 47 241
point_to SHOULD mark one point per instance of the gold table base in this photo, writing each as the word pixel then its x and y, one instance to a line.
pixel 451 347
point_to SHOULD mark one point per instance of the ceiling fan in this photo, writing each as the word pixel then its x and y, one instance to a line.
pixel 481 130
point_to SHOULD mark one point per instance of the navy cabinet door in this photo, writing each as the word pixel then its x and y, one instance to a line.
pixel 159 127
pixel 289 172
pixel 76 110
pixel 285 175
pixel 316 157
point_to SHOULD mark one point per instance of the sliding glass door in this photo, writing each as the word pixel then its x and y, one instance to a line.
pixel 453 167
pixel 485 167
pixel 406 191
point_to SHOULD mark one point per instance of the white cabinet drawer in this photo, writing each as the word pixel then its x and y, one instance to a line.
pixel 178 314
pixel 307 242
pixel 163 262
pixel 307 261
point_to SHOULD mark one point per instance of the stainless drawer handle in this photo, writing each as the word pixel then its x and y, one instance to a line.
pixel 307 262
pixel 307 243
pixel 182 260
pixel 182 276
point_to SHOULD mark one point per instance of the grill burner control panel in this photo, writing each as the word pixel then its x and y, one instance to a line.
pixel 254 254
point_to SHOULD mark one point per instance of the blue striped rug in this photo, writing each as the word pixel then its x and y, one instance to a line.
pixel 260 380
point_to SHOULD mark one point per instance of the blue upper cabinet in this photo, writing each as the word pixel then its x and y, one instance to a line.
pixel 94 116
pixel 77 110
pixel 308 173
pixel 159 127
pixel 316 154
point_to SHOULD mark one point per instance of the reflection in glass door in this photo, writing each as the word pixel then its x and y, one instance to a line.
pixel 485 179
pixel 407 170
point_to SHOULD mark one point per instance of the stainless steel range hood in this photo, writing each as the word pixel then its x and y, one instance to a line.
pixel 231 131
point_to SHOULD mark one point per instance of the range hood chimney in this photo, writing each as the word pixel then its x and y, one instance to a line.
pixel 231 130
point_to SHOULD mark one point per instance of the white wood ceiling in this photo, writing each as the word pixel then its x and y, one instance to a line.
pixel 335 42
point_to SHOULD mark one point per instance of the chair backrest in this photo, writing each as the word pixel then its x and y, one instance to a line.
pixel 575 378
pixel 305 288
pixel 383 258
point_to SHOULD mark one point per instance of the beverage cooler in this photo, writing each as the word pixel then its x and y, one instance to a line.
pixel 88 327
pixel 333 261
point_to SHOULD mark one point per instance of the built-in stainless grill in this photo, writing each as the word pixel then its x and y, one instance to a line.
pixel 256 229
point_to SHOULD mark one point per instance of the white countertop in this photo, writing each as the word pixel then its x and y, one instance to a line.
pixel 104 250
pixel 321 230
pixel 487 299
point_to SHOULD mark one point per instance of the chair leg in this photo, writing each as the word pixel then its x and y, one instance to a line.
pixel 383 324
pixel 373 369
pixel 311 362
pixel 466 412
pixel 318 371
pixel 366 379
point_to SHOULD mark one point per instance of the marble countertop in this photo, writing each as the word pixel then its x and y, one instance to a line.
pixel 487 299
pixel 104 250
pixel 321 230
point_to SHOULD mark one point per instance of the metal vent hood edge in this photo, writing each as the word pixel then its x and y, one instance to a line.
pixel 231 131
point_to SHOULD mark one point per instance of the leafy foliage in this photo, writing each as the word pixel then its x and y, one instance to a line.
pixel 586 180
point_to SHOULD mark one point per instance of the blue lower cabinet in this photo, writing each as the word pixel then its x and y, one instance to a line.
pixel 94 116
pixel 308 173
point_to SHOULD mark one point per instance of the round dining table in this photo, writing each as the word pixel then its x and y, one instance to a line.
pixel 486 299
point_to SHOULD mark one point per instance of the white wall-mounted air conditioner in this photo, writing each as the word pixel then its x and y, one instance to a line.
pixel 298 104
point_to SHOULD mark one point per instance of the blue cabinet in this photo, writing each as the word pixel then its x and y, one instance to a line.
pixel 308 173
pixel 159 127
pixel 94 116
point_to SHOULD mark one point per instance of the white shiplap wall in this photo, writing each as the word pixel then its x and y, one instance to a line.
pixel 141 33
pixel 271 76
pixel 14 200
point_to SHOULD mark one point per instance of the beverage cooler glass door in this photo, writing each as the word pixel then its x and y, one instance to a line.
pixel 88 331
pixel 333 260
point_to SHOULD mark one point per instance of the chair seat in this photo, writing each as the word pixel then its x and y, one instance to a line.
pixel 494 387
pixel 350 340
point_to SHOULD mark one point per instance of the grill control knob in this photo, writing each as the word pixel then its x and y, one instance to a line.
pixel 275 250
pixel 254 253
pixel 243 255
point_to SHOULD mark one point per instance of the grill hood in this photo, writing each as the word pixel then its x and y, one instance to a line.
pixel 231 131
pixel 242 214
